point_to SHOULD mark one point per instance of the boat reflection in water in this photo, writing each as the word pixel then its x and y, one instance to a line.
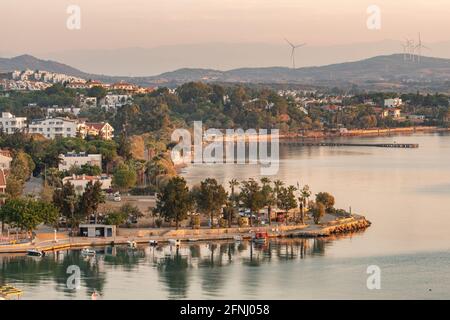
pixel 174 267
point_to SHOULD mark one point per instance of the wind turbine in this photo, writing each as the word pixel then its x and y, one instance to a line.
pixel 419 48
pixel 405 47
pixel 293 50
pixel 411 48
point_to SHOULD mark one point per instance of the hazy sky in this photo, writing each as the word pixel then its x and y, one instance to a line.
pixel 39 26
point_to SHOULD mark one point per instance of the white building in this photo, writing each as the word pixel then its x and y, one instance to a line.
pixel 72 159
pixel 56 109
pixel 87 102
pixel 114 101
pixel 80 182
pixel 5 159
pixel 54 127
pixel 393 103
pixel 10 123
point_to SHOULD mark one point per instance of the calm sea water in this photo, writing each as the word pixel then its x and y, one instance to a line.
pixel 404 192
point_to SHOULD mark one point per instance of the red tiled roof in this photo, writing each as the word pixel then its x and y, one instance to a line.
pixel 95 125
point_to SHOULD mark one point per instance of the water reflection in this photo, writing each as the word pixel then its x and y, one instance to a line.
pixel 175 268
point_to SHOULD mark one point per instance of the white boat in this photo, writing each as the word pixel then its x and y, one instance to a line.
pixel 238 238
pixel 88 252
pixel 175 242
pixel 132 244
pixel 153 243
pixel 192 240
pixel 35 253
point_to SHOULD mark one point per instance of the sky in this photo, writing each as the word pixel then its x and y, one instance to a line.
pixel 39 26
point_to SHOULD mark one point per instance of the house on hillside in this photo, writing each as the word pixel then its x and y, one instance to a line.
pixel 80 182
pixel 72 159
pixel 98 129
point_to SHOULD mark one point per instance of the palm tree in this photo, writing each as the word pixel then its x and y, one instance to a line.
pixel 269 196
pixel 233 201
pixel 233 183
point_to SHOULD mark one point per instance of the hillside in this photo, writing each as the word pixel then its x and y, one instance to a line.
pixel 392 69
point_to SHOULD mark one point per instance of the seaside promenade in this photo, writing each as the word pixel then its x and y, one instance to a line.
pixel 46 242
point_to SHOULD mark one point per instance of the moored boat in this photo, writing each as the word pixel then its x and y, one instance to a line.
pixel 153 243
pixel 132 244
pixel 35 253
pixel 175 242
pixel 238 238
pixel 88 252
pixel 260 237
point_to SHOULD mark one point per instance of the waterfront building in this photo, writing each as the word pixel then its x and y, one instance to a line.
pixel 97 230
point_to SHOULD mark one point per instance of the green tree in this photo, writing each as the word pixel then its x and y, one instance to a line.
pixel 66 200
pixel 210 198
pixel 97 92
pixel 26 213
pixel 174 201
pixel 116 218
pixel 317 211
pixel 305 193
pixel 252 197
pixel 131 212
pixel 124 177
pixel 91 199
pixel 269 196
pixel 14 186
pixel 286 198
pixel 326 199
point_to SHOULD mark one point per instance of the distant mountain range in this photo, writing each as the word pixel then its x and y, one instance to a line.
pixel 389 72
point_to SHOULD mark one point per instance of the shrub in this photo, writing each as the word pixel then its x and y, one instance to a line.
pixel 195 222
pixel 243 222
pixel 158 222
pixel 143 191
pixel 223 223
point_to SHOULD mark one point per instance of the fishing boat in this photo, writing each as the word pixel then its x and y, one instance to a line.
pixel 260 238
pixel 175 242
pixel 88 252
pixel 132 244
pixel 35 253
pixel 153 243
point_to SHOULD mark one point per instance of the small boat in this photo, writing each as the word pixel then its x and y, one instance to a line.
pixel 35 253
pixel 192 240
pixel 175 242
pixel 260 237
pixel 238 238
pixel 132 244
pixel 153 243
pixel 8 291
pixel 94 295
pixel 88 252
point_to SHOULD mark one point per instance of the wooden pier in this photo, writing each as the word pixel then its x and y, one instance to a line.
pixel 339 144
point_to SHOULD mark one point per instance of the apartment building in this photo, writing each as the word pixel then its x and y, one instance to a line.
pixel 9 123
pixel 55 127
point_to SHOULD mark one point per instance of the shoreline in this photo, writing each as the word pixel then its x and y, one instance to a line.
pixel 334 227
pixel 320 134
